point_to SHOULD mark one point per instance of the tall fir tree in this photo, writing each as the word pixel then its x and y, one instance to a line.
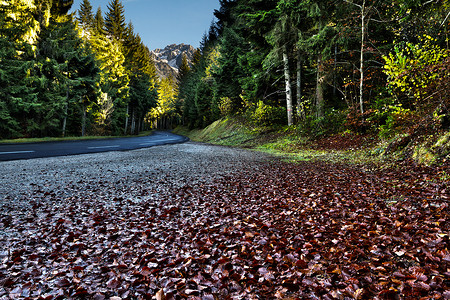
pixel 184 68
pixel 114 84
pixel 99 23
pixel 17 96
pixel 65 67
pixel 85 15
pixel 143 79
pixel 115 20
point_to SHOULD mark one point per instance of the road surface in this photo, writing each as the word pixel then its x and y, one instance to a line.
pixel 51 149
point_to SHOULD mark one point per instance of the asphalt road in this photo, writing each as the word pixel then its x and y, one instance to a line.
pixel 51 149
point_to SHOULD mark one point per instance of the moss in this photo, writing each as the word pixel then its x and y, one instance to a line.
pixel 443 144
pixel 423 155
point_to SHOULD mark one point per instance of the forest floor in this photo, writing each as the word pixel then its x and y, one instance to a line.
pixel 197 221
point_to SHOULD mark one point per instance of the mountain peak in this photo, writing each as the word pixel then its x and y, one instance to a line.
pixel 168 60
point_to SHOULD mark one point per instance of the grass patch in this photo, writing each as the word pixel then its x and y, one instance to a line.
pixel 290 145
pixel 225 132
pixel 285 143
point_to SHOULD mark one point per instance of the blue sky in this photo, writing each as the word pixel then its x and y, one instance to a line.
pixel 164 22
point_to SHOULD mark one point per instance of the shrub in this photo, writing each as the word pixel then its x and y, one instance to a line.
pixel 418 75
pixel 226 106
pixel 332 122
pixel 398 119
pixel 262 114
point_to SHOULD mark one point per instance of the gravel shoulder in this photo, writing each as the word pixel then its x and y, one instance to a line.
pixel 117 174
pixel 189 162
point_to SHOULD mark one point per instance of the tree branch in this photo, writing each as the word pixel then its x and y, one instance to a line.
pixel 357 5
pixel 445 20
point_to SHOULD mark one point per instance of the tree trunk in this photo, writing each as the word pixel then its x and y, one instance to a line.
pixel 66 108
pixel 140 123
pixel 287 79
pixel 133 122
pixel 126 120
pixel 300 109
pixel 361 68
pixel 319 89
pixel 83 121
pixel 334 71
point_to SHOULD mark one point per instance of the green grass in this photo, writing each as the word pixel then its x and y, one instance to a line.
pixel 283 142
pixel 69 138
pixel 225 132
pixel 288 144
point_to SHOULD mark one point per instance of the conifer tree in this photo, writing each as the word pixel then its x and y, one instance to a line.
pixel 85 15
pixel 230 73
pixel 115 20
pixel 143 78
pixel 114 84
pixel 99 23
pixel 164 113
pixel 60 7
pixel 68 72
pixel 17 96
pixel 184 68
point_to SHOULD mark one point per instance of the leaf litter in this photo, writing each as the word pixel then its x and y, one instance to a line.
pixel 270 230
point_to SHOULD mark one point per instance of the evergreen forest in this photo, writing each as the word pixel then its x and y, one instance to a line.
pixel 72 74
pixel 320 67
pixel 323 66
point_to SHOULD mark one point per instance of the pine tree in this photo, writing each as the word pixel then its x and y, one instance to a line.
pixel 184 68
pixel 68 76
pixel 165 111
pixel 224 15
pixel 85 15
pixel 143 78
pixel 115 20
pixel 282 38
pixel 114 84
pixel 17 96
pixel 99 23
pixel 60 7
pixel 230 73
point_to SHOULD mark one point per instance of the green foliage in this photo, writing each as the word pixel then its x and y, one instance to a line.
pixel 17 96
pixel 85 15
pixel 229 72
pixel 98 26
pixel 57 80
pixel 203 98
pixel 333 121
pixel 115 20
pixel 226 106
pixel 409 72
pixel 262 114
pixel 397 120
pixel 165 107
pixel 184 68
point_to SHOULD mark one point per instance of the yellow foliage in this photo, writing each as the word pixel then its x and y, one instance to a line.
pixel 167 94
pixel 406 67
pixel 213 63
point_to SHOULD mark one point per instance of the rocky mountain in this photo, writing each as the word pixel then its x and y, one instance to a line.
pixel 168 60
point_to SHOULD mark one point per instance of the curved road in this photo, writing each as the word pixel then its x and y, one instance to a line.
pixel 50 149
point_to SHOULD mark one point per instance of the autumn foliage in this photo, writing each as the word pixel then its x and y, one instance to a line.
pixel 269 231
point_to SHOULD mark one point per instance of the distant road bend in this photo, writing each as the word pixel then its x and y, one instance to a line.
pixel 51 149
